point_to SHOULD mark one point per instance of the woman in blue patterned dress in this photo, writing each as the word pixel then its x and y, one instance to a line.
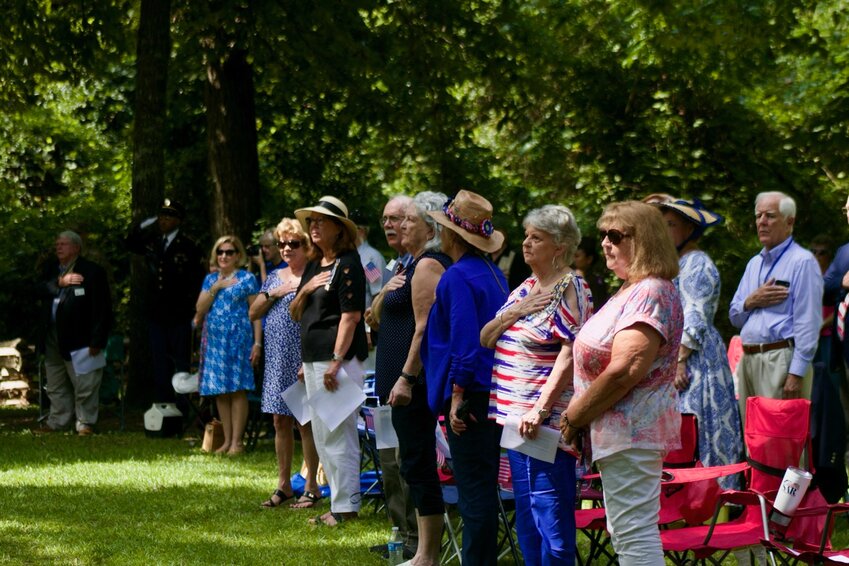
pixel 282 361
pixel 233 343
pixel 703 377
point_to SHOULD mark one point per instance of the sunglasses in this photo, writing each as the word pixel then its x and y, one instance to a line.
pixel 613 236
pixel 228 253
pixel 293 244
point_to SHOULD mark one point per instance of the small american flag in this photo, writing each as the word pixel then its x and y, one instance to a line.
pixel 372 272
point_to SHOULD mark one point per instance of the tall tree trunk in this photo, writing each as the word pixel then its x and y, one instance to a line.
pixel 232 139
pixel 153 49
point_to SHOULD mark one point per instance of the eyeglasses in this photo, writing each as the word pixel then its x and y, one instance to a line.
pixel 392 219
pixel 228 253
pixel 317 221
pixel 819 251
pixel 293 244
pixel 613 236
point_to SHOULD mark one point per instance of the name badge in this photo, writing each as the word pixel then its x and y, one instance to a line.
pixel 79 291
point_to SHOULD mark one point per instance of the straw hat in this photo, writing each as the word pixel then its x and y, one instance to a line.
pixel 693 211
pixel 470 216
pixel 329 206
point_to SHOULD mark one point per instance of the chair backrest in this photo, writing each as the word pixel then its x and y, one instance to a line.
pixel 776 433
pixel 688 454
pixel 735 352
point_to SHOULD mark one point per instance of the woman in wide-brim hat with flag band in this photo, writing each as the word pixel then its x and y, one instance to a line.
pixel 329 305
pixel 459 370
pixel 703 376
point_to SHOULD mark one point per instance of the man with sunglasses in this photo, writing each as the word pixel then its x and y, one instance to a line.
pixel 778 308
pixel 173 275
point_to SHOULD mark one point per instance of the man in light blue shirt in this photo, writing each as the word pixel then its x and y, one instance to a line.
pixel 778 308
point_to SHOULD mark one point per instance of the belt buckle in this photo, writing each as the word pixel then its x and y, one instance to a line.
pixel 761 348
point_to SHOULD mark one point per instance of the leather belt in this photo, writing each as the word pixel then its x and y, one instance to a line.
pixel 761 348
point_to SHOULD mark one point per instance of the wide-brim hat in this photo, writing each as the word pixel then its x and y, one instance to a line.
pixel 172 208
pixel 329 206
pixel 469 215
pixel 693 211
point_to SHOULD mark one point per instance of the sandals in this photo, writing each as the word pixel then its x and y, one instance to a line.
pixel 338 519
pixel 281 496
pixel 307 501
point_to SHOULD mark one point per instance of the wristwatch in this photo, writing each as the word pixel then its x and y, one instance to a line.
pixel 336 358
pixel 411 379
pixel 543 413
pixel 267 296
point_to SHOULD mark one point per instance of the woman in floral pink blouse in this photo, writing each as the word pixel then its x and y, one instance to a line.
pixel 625 360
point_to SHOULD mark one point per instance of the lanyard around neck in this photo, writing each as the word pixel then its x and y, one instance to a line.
pixel 771 267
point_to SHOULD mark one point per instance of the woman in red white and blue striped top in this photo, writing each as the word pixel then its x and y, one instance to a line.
pixel 532 334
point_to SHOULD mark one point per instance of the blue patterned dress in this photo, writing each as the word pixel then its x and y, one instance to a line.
pixel 710 395
pixel 229 337
pixel 282 350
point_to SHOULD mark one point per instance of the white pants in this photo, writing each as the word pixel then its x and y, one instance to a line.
pixel 338 450
pixel 71 394
pixel 631 485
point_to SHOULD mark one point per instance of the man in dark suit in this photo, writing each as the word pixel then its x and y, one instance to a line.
pixel 175 270
pixel 77 317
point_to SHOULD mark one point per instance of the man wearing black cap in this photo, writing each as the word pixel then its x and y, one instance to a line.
pixel 175 271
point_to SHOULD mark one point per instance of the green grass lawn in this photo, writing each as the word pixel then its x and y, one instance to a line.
pixel 123 498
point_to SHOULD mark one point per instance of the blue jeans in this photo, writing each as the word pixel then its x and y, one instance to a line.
pixel 545 508
pixel 475 455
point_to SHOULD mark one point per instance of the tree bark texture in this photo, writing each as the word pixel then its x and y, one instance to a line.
pixel 232 142
pixel 153 50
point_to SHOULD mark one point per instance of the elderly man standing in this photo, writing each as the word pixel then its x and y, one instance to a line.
pixel 402 512
pixel 778 307
pixel 77 317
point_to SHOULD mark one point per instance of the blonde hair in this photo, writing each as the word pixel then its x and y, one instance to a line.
pixel 653 253
pixel 237 243
pixel 292 226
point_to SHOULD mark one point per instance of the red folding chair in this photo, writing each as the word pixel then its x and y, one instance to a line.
pixel 676 498
pixel 776 435
pixel 821 554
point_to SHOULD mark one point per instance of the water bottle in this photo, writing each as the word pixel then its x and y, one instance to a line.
pixel 396 548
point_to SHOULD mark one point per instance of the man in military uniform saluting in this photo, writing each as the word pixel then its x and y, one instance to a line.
pixel 176 270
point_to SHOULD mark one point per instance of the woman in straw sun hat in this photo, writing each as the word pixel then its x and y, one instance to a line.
pixel 703 376
pixel 329 305
pixel 459 370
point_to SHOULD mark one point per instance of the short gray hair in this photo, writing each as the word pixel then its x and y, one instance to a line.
pixel 428 201
pixel 72 236
pixel 786 204
pixel 559 222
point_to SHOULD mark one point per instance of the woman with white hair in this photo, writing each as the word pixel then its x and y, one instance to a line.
pixel 532 334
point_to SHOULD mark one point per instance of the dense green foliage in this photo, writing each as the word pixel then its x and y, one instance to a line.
pixel 574 101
